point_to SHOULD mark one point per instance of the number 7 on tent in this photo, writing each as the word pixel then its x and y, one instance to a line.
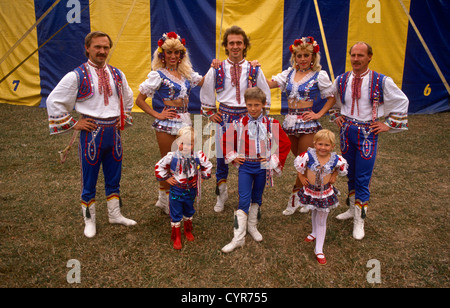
pixel 16 82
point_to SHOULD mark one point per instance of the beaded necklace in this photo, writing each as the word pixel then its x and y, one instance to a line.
pixel 305 70
pixel 171 69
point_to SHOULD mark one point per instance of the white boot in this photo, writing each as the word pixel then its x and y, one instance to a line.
pixel 240 231
pixel 114 215
pixel 163 201
pixel 253 221
pixel 358 224
pixel 221 198
pixel 350 213
pixel 292 205
pixel 304 209
pixel 89 220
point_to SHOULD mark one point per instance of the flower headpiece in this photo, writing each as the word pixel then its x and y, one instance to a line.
pixel 170 35
pixel 305 40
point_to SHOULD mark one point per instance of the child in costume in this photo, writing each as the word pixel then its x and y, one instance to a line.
pixel 184 170
pixel 318 169
pixel 258 146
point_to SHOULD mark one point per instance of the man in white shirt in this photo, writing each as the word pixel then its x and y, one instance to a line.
pixel 227 85
pixel 100 93
pixel 363 97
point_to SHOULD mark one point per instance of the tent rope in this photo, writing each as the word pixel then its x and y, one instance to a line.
pixel 120 31
pixel 220 30
pixel 210 124
pixel 325 45
pixel 444 81
pixel 43 44
pixel 28 31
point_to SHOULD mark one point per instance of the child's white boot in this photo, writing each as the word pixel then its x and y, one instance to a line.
pixel 222 197
pixel 89 220
pixel 253 221
pixel 114 215
pixel 240 230
pixel 163 201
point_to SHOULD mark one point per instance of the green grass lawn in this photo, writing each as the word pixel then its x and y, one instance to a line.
pixel 41 226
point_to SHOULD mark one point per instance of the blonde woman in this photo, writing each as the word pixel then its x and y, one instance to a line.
pixel 304 84
pixel 171 80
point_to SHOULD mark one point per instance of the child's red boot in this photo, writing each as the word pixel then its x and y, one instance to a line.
pixel 176 235
pixel 188 229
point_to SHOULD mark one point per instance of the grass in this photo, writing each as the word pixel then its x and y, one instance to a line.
pixel 41 227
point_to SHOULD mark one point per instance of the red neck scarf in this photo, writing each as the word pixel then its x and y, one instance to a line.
pixel 356 90
pixel 104 87
pixel 235 71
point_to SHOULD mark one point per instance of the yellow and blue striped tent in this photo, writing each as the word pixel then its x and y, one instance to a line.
pixel 42 40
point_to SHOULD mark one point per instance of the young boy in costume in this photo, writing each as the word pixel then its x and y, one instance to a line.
pixel 258 146
pixel 184 170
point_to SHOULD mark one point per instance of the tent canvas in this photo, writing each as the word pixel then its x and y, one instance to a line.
pixel 42 40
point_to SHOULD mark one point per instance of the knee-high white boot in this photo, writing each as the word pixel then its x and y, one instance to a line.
pixel 350 213
pixel 292 204
pixel 89 220
pixel 222 197
pixel 358 224
pixel 114 215
pixel 240 230
pixel 163 200
pixel 253 221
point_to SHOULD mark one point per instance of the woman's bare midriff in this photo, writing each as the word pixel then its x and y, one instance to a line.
pixel 177 103
pixel 293 104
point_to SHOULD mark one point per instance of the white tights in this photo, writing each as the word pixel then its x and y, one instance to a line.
pixel 319 228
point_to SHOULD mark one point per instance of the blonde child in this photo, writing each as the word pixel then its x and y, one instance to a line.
pixel 184 170
pixel 318 169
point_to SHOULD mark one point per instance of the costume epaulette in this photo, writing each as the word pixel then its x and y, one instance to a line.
pixel 252 75
pixel 220 78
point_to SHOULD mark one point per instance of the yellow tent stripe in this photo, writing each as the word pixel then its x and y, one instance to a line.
pixel 379 23
pixel 28 32
pixel 132 44
pixel 266 38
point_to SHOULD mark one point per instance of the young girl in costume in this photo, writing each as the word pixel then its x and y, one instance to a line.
pixel 184 170
pixel 169 85
pixel 250 144
pixel 318 169
pixel 304 84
